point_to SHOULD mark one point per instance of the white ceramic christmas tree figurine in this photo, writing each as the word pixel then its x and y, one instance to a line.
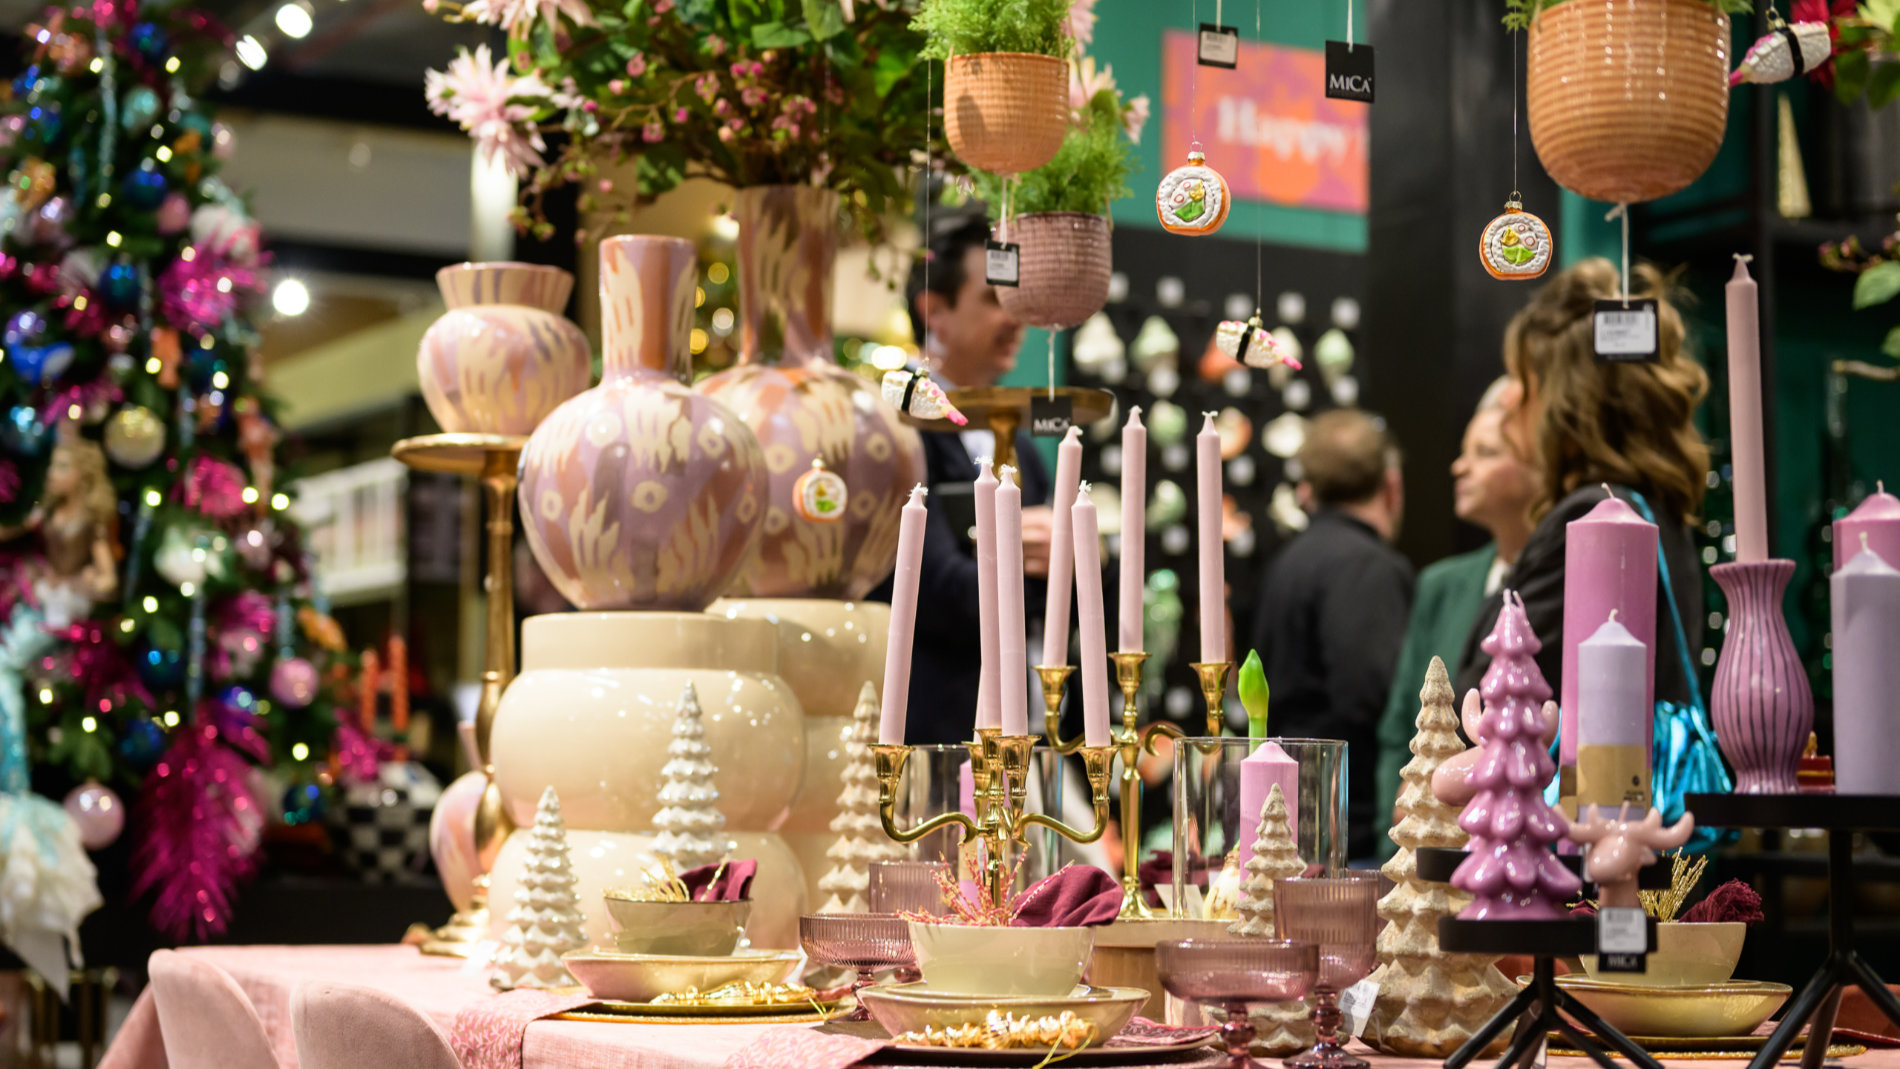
pixel 861 839
pixel 546 920
pixel 1429 1002
pixel 689 822
pixel 1275 856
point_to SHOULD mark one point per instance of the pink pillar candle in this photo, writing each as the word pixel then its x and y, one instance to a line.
pixel 1207 497
pixel 1744 415
pixel 910 555
pixel 1878 518
pixel 1866 611
pixel 1609 566
pixel 989 712
pixel 1260 771
pixel 1613 721
pixel 1089 621
pixel 1055 612
pixel 1012 661
pixel 1134 529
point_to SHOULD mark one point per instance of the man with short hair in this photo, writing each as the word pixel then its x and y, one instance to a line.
pixel 1333 604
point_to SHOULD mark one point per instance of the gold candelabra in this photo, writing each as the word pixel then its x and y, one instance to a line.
pixel 1054 678
pixel 1213 676
pixel 999 768
pixel 492 458
pixel 1129 742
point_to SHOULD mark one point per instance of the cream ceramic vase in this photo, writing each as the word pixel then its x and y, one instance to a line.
pixel 591 715
pixel 640 493
pixel 827 650
pixel 789 390
pixel 502 357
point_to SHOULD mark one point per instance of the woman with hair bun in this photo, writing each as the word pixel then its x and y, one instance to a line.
pixel 1585 423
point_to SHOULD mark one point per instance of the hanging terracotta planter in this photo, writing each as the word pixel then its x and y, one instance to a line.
pixel 1627 98
pixel 1063 268
pixel 1005 112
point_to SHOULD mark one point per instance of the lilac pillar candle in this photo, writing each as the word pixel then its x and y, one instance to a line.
pixel 1878 518
pixel 1613 721
pixel 1609 566
pixel 989 709
pixel 1866 612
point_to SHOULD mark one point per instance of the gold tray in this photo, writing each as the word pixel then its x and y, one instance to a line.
pixel 675 1013
pixel 1726 1048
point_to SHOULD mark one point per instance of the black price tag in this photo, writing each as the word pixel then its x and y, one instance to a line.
pixel 1001 262
pixel 1349 71
pixel 1050 417
pixel 1626 331
pixel 1622 938
pixel 1219 46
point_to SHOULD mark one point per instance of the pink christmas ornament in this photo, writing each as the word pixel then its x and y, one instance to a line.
pixel 174 215
pixel 452 836
pixel 293 682
pixel 1512 873
pixel 97 813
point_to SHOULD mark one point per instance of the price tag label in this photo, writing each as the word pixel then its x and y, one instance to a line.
pixel 1622 939
pixel 1050 417
pixel 1626 331
pixel 1349 71
pixel 1002 263
pixel 1355 1003
pixel 1219 46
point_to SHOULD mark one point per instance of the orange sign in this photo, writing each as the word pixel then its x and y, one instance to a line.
pixel 1266 126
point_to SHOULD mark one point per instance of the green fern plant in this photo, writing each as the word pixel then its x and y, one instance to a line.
pixel 962 27
pixel 1088 172
pixel 1518 13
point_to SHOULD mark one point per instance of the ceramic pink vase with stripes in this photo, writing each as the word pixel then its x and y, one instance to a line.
pixel 502 356
pixel 1761 704
pixel 640 493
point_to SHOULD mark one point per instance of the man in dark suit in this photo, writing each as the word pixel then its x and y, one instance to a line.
pixel 968 341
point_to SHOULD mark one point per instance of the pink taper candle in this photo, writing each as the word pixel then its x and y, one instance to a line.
pixel 1609 566
pixel 1012 661
pixel 1089 619
pixel 1744 415
pixel 910 555
pixel 1134 529
pixel 1207 499
pixel 989 712
pixel 1055 612
pixel 1878 518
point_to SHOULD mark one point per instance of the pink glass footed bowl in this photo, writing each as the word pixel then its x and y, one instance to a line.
pixel 502 356
pixel 864 942
pixel 1340 917
pixel 1230 973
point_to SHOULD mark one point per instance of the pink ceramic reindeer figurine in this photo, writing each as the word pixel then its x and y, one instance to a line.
pixel 1621 847
pixel 1451 783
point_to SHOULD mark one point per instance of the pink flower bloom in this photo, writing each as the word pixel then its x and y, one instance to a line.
pixel 738 69
pixel 1082 22
pixel 496 108
pixel 735 125
pixel 663 6
pixel 652 132
pixel 716 45
pixel 1134 117
pixel 637 65
pixel 725 134
pixel 1085 81
pixel 680 115
pixel 606 185
pixel 617 86
pixel 752 96
pixel 516 16
pixel 722 107
pixel 706 86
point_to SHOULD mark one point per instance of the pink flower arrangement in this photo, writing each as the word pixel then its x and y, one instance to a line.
pixel 494 106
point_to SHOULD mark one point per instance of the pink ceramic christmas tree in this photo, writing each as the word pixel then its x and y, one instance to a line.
pixel 1512 873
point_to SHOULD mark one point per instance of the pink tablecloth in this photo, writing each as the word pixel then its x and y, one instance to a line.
pixel 440 986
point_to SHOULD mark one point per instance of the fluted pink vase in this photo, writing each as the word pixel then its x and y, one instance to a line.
pixel 1761 704
pixel 789 389
pixel 640 493
pixel 503 355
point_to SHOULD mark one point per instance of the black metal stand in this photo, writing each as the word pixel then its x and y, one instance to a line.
pixel 1541 1007
pixel 1840 816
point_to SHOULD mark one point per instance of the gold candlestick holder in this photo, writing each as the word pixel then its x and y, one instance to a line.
pixel 493 459
pixel 1129 742
pixel 999 771
pixel 1213 676
pixel 1054 678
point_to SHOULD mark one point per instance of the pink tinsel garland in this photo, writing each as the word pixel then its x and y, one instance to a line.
pixel 189 294
pixel 214 487
pixel 359 754
pixel 105 676
pixel 244 624
pixel 195 835
pixel 9 481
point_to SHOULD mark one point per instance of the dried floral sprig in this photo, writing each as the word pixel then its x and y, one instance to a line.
pixel 1684 873
pixel 740 993
pixel 1005 1031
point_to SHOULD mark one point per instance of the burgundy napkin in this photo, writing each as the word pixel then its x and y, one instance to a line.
pixel 1076 896
pixel 732 885
pixel 1159 869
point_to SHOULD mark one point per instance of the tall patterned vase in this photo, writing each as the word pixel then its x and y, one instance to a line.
pixel 804 408
pixel 502 356
pixel 640 493
pixel 1762 707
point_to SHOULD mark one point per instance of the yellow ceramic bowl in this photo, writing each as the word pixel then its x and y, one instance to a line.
pixel 645 977
pixel 976 960
pixel 1734 1008
pixel 701 928
pixel 1687 955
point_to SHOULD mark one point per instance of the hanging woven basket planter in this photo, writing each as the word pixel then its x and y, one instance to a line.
pixel 1005 112
pixel 1627 99
pixel 1063 268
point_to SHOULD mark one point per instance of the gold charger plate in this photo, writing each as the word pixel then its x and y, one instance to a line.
pixel 1724 1048
pixel 1034 1056
pixel 913 1007
pixel 676 1013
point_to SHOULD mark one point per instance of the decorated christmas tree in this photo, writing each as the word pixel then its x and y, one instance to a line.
pixel 861 838
pixel 145 551
pixel 546 920
pixel 688 821
pixel 1512 873
pixel 1275 856
pixel 1429 1002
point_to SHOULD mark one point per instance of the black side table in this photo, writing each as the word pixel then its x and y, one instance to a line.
pixel 1840 815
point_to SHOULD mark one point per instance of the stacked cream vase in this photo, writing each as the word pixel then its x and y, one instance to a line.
pixel 642 498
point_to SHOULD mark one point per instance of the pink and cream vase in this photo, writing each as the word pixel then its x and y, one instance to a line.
pixel 502 357
pixel 1761 705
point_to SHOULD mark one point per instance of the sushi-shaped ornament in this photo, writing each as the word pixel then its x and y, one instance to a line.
pixel 1192 199
pixel 1787 49
pixel 1515 245
pixel 819 495
pixel 912 393
pixel 1252 344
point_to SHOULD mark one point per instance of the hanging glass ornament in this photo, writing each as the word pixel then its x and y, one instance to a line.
pixel 1516 245
pixel 1787 49
pixel 1252 344
pixel 1192 199
pixel 912 393
pixel 135 436
pixel 819 495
